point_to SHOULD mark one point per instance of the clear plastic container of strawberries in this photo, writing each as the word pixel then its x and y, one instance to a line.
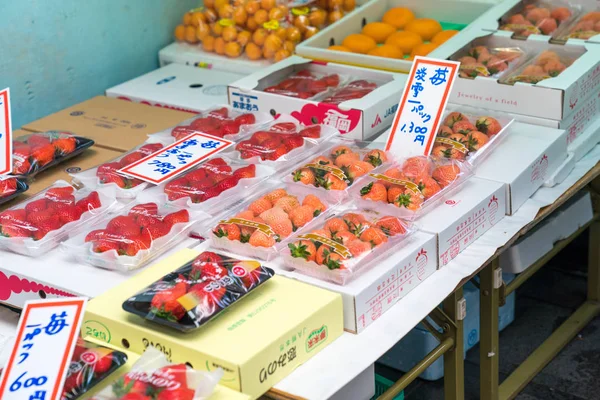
pixel 409 187
pixel 37 225
pixel 134 235
pixel 282 142
pixel 338 166
pixel 11 187
pixel 197 291
pixel 108 175
pixel 306 84
pixel 153 377
pixel 585 27
pixel 545 65
pixel 37 152
pixel 259 227
pixel 469 134
pixel 538 17
pixel 345 242
pixel 482 59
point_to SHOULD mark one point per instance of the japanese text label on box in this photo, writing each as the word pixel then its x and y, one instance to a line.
pixel 5 133
pixel 176 158
pixel 46 337
pixel 423 101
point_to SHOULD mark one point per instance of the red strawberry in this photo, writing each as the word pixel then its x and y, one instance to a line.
pixel 43 155
pixel 180 132
pixel 246 119
pixel 144 209
pixel 90 202
pixel 104 359
pixel 148 220
pixel 103 245
pixel 158 230
pixel 276 154
pixel 165 305
pixel 150 148
pixel 178 372
pixel 229 128
pixel 69 214
pixel 286 127
pixel 133 244
pixel 64 146
pixel 11 216
pixel 222 112
pixel 209 297
pixel 124 225
pixel 131 158
pixel 38 140
pixel 206 194
pixel 183 393
pixel 51 224
pixel 21 164
pixel 59 192
pixel 293 141
pixel 245 172
pixel 22 229
pixel 261 136
pixel 227 184
pixel 36 205
pixel 209 256
pixel 135 387
pixel 177 217
pixel 116 179
pixel 135 396
pixel 313 131
pixel 7 186
pixel 36 217
pixel 71 384
pixel 95 235
pixel 108 168
pixel 56 203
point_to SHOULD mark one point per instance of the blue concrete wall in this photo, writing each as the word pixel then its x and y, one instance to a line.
pixel 55 53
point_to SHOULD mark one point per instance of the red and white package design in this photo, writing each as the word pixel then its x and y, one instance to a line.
pixel 39 224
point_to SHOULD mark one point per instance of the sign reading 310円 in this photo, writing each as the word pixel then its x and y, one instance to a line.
pixel 421 107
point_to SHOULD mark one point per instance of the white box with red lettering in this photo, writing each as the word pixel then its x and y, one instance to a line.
pixel 523 161
pixel 466 215
pixel 360 118
pixel 178 87
pixel 375 290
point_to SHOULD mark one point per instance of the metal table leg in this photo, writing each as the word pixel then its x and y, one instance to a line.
pixel 488 343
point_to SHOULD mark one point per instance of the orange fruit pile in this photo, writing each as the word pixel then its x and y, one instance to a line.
pixel 398 35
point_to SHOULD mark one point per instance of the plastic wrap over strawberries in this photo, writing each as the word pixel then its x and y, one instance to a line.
pixel 153 377
pixel 136 234
pixel 545 65
pixel 584 27
pixel 90 365
pixel 336 168
pixel 220 121
pixel 409 187
pixel 346 242
pixel 493 62
pixel 260 227
pixel 469 134
pixel 213 185
pixel 39 224
pixel 107 175
pixel 282 142
pixel 37 152
pixel 198 291
pixel 11 187
pixel 539 17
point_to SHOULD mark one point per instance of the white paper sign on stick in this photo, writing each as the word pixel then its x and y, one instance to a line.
pixel 46 337
pixel 5 133
pixel 420 110
pixel 176 158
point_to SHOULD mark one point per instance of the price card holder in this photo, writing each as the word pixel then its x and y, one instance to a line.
pixel 46 337
pixel 420 110
pixel 5 133
pixel 176 158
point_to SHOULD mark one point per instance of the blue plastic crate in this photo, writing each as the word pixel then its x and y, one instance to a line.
pixel 382 385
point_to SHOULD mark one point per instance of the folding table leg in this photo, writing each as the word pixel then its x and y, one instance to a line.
pixel 488 342
pixel 454 359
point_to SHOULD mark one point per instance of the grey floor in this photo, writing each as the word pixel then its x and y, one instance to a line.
pixel 543 303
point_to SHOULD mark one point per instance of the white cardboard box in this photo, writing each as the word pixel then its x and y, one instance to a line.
pixel 464 217
pixel 553 98
pixel 356 119
pixel 178 87
pixel 193 55
pixel 561 224
pixel 372 293
pixel 524 160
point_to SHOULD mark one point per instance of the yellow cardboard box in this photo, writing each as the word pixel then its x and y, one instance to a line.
pixel 111 123
pixel 257 341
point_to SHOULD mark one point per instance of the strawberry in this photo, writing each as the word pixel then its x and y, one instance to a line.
pixel 150 148
pixel 488 125
pixel 158 229
pixel 453 118
pixel 230 231
pixel 229 128
pixel 373 235
pixel 261 136
pixel 21 164
pixel 259 206
pixel 293 141
pixel 374 191
pixel 178 374
pixel 219 113
pixel 104 245
pixel 246 119
pixel 176 189
pixel 36 217
pixel 227 184
pixel 36 205
pixel 196 175
pixel 124 225
pixel 178 217
pixel 248 171
pixel 51 224
pixel 179 132
pixel 43 155
pixel 183 393
pixel 64 146
pixel 260 239
pixel 301 216
pixel 144 209
pixel 132 387
pixel 209 297
pixel 23 229
pixel 303 249
pixel 116 179
pixel 131 158
pixel 89 203
pixel 304 175
pixel 134 244
pixel 331 182
pixel 276 154
pixel 7 186
pixel 69 214
pixel 108 169
pixel 206 269
pixel 312 131
pixel 314 202
pixel 446 174
pixel 104 359
pixel 210 257
pixel 375 157
pixel 285 127
pixel 391 226
pixel 165 305
pixel 59 192
pixel 11 216
pixel 206 194
pixel 38 140
pixel 56 203
pixel 95 235
pixel 217 161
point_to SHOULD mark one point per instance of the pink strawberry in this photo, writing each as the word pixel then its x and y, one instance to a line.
pixel 178 217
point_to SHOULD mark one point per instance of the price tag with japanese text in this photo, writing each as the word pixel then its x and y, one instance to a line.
pixel 5 133
pixel 420 110
pixel 176 158
pixel 46 336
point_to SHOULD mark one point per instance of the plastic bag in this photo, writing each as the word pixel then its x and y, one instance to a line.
pixel 259 227
pixel 412 186
pixel 538 17
pixel 39 224
pixel 465 136
pixel 336 168
pixel 107 175
pixel 152 377
pixel 198 291
pixel 213 185
pixel 347 241
pixel 133 236
pixel 355 89
pixel 587 26
pixel 90 365
pixel 37 152
pixel 11 187
pixel 488 61
pixel 548 64
pixel 220 121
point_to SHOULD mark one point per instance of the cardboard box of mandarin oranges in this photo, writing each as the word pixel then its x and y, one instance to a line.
pixel 257 341
pixel 111 123
pixel 359 103
pixel 387 34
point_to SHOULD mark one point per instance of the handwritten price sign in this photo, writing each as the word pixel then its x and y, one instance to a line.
pixel 423 102
pixel 176 158
pixel 5 133
pixel 39 361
